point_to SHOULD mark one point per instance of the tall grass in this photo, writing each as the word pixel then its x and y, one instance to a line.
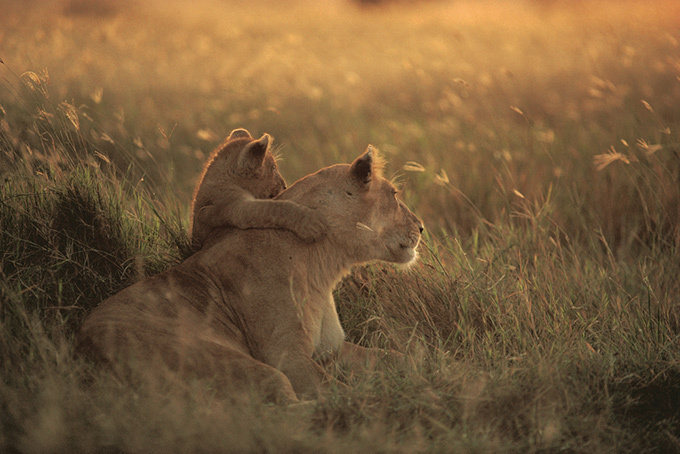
pixel 541 152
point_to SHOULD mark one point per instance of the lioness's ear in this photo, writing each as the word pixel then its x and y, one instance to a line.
pixel 362 167
pixel 239 133
pixel 252 156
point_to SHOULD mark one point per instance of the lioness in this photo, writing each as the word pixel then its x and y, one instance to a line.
pixel 254 308
pixel 240 176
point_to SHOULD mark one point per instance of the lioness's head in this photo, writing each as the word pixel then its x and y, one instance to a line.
pixel 250 164
pixel 363 210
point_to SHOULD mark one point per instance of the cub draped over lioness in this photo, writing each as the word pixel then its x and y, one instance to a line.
pixel 234 189
pixel 254 308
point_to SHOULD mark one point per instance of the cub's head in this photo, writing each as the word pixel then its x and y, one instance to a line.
pixel 366 218
pixel 249 164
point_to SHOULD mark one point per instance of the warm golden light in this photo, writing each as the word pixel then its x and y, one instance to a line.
pixel 538 141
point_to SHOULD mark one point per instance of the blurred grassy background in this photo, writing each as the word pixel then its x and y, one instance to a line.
pixel 488 97
pixel 538 140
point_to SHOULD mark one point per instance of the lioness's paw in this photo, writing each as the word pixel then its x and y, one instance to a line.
pixel 396 358
pixel 312 226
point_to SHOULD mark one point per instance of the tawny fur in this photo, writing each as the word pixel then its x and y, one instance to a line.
pixel 236 189
pixel 254 308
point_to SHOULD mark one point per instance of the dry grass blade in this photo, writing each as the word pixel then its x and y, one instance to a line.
pixel 412 166
pixel 603 160
pixel 71 113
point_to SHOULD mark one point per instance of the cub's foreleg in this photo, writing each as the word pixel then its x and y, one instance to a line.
pixel 253 213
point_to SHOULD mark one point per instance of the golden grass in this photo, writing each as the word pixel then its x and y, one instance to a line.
pixel 537 140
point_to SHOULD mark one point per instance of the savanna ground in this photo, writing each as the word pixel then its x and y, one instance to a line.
pixel 538 142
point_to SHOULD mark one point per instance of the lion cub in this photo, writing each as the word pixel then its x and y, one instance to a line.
pixel 234 189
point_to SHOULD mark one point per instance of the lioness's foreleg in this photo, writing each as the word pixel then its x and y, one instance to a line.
pixel 287 347
pixel 241 373
pixel 358 357
pixel 305 375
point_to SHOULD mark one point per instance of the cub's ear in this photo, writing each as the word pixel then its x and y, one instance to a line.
pixel 239 134
pixel 252 156
pixel 361 169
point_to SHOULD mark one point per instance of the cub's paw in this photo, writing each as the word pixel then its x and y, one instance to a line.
pixel 311 227
pixel 203 224
pixel 206 215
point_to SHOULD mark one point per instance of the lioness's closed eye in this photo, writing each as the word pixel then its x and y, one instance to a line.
pixel 236 189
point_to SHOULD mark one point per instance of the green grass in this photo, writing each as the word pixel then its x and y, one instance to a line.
pixel 538 143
